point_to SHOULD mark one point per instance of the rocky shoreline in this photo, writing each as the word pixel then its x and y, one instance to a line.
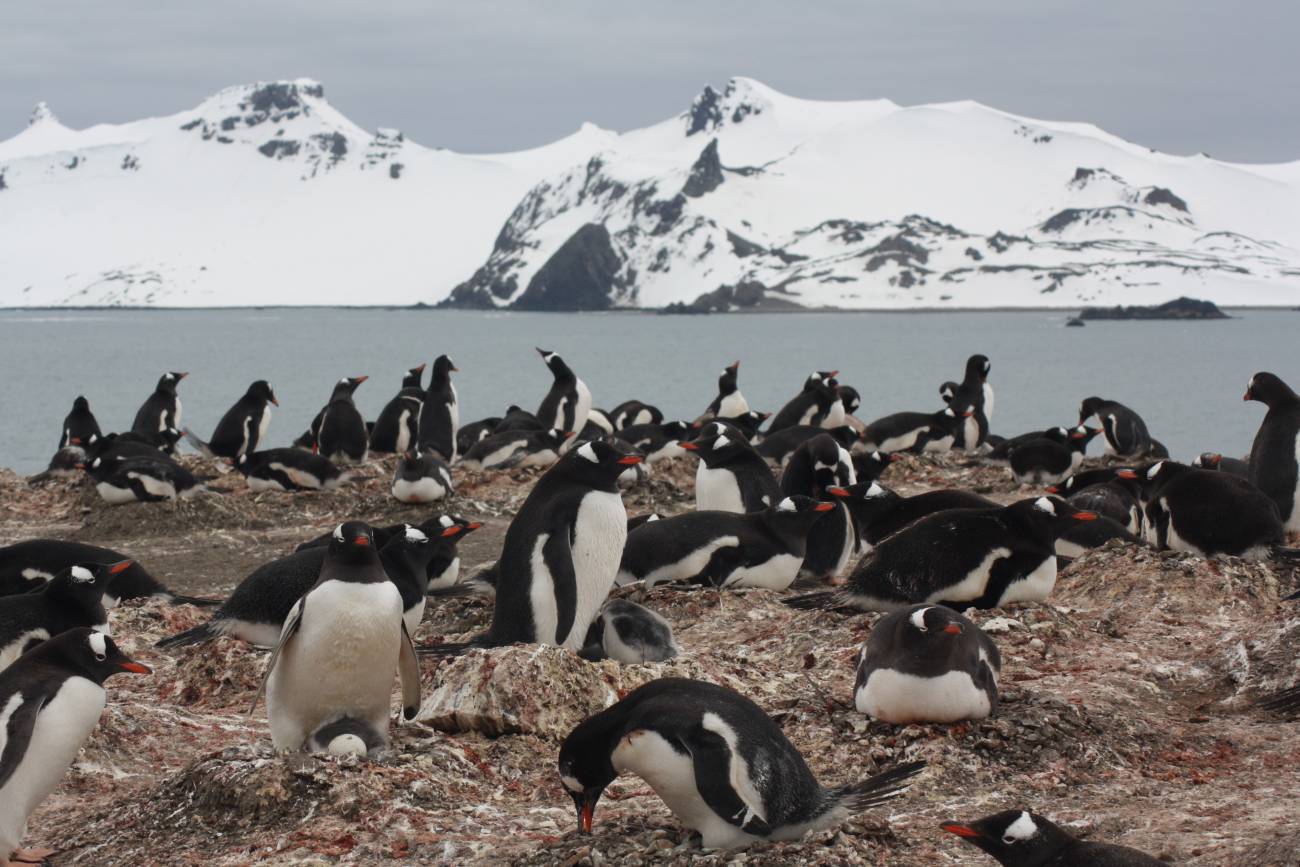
pixel 1126 706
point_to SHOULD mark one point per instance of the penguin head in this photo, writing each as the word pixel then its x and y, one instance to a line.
pixel 1057 435
pixel 413 376
pixel 346 386
pixel 675 430
pixel 443 366
pixel 797 512
pixel 929 629
pixel 872 465
pixel 749 423
pixel 1268 388
pixel 850 398
pixel 598 463
pixel 91 654
pixel 977 368
pixel 261 390
pixel 81 404
pixel 167 439
pixel 1046 516
pixel 556 364
pixel 1208 460
pixel 947 390
pixel 353 542
pixel 168 381
pixel 1013 837
pixel 727 379
pixel 87 581
pixel 586 766
pixel 1089 408
pixel 1081 435
pixel 866 499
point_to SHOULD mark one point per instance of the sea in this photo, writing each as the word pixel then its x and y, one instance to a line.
pixel 1185 378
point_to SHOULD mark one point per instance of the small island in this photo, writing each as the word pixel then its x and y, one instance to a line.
pixel 1179 308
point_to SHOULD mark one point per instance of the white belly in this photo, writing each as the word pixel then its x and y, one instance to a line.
pixel 61 728
pixel 453 411
pixel 583 407
pixel 942 444
pixel 426 490
pixel 14 649
pixel 263 426
pixel 777 573
pixel 900 443
pixel 176 417
pixel 972 586
pixel 260 634
pixel 687 567
pixel 114 495
pixel 669 449
pixel 988 402
pixel 1034 587
pixel 733 405
pixel 1293 523
pixel 542 458
pixel 340 663
pixel 259 485
pixel 499 456
pixel 971 433
pixel 156 487
pixel 717 490
pixel 834 416
pixel 403 441
pixel 600 532
pixel 449 576
pixel 902 699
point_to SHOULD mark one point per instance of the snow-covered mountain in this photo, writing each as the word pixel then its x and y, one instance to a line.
pixel 265 194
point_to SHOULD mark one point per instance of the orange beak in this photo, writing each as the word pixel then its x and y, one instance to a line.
pixel 363 541
pixel 450 531
pixel 360 379
pixel 1084 516
pixel 1126 474
pixel 587 812
pixel 630 460
pixel 823 507
pixel 689 445
pixel 136 668
pixel 474 526
pixel 1053 489
pixel 959 830
pixel 120 566
pixel 1247 395
pixel 953 629
pixel 838 492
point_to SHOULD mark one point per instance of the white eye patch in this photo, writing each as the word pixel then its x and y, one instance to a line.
pixel 414 535
pixel 98 646
pixel 874 491
pixel 948 412
pixel 1043 504
pixel 446 521
pixel 338 533
pixel 82 575
pixel 720 442
pixel 1022 828
pixel 918 619
pixel 1154 471
pixel 786 505
pixel 588 452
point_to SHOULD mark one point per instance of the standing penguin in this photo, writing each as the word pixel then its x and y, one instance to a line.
pixel 1018 838
pixel 50 700
pixel 718 761
pixel 567 404
pixel 1125 431
pixel 338 651
pixel 813 405
pixel 342 434
pixel 561 553
pixel 976 395
pixel 162 409
pixel 73 598
pixel 731 477
pixel 927 664
pixel 398 425
pixel 730 402
pixel 1044 460
pixel 1275 456
pixel 440 415
pixel 79 425
pixel 243 427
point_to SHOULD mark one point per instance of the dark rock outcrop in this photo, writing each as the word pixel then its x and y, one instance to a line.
pixel 705 112
pixel 1162 196
pixel 706 174
pixel 581 275
pixel 1179 308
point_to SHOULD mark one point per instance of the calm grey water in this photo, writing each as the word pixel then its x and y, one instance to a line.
pixel 1185 378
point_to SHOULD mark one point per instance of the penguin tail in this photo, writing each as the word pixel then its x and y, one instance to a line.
pixel 1286 702
pixel 198 445
pixel 874 791
pixel 1292 597
pixel 812 601
pixel 198 635
pixel 198 601
pixel 1290 557
pixel 471 587
pixel 40 478
pixel 450 650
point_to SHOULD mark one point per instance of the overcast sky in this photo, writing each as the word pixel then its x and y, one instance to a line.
pixel 486 75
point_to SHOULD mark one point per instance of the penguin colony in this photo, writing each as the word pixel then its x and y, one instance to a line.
pixel 782 504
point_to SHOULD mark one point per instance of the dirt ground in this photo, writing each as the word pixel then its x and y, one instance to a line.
pixel 1126 706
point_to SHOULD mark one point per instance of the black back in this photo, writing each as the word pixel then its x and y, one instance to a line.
pixel 438 417
pixel 897 643
pixel 563 391
pixel 51 556
pixel 879 512
pixel 471 433
pixel 1017 838
pixel 74 597
pixel 239 430
pixel 341 430
pixel 1273 458
pixel 79 425
pixel 810 405
pixel 158 411
pixel 1126 432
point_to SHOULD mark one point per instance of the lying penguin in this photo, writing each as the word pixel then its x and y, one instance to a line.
pixel 629 633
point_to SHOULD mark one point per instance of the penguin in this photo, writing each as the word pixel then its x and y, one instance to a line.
pixel 812 405
pixel 339 648
pixel 121 480
pixel 1208 514
pixel 729 403
pixel 1019 838
pixel 561 553
pixel 1044 460
pixel 127 445
pixel 443 569
pixel 914 431
pixel 947 390
pixel 1215 461
pixel 342 434
pixel 516 419
pixel 963 558
pixel 79 425
pixel 243 427
pixel 598 426
pixel 631 634
pixel 1275 455
pixel 64 463
pixel 567 404
pixel 30 564
pixel 657 441
pixel 1111 492
pixel 475 431
pixel 748 424
pixel 440 415
pixel 851 401
pixel 515 448
pixel 72 598
pixel 1091 534
pixel 1125 431
pixel 723 549
pixel 817 464
pixel 731 477
pixel 634 412
pixel 50 702
pixel 288 470
pixel 879 512
pixel 397 427
pixel 162 409
pixel 927 664
pixel 719 762
pixel 422 478
pixel 869 466
pixel 779 446
pixel 976 395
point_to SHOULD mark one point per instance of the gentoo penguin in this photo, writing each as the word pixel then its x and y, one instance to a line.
pixel 1125 431
pixel 779 446
pixel 629 633
pixel 976 395
pixel 517 418
pixel 79 425
pixel 28 565
pixel 340 646
pixel 471 433
pixel 131 444
pixel 288 470
pixel 635 521
pixel 1019 838
pixel 515 448
pixel 1215 461
pixel 748 424
pixel 731 477
pixel 729 403
pixel 1045 460
pixel 397 427
pixel 440 415
pixel 422 478
pixel 445 534
pixel 1208 514
pixel 927 664
pixel 812 405
pixel 1111 492
pixel 982 558
pixel 72 598
pixel 851 400
pixel 947 390
pixel 243 427
pixel 817 464
pixel 718 761
pixel 723 549
pixel 560 554
pixel 162 409
pixel 122 480
pixel 634 412
pixel 658 441
pixel 869 466
pixel 1275 455
pixel 342 434
pixel 50 702
pixel 566 405
pixel 1092 534
pixel 597 427
pixel 879 512
pixel 914 431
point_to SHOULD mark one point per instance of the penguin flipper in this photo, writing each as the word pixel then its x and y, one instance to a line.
pixel 722 777
pixel 199 445
pixel 291 624
pixel 557 553
pixel 18 734
pixel 409 669
pixel 197 635
pixel 811 601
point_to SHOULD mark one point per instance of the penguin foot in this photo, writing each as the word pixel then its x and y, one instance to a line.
pixel 30 856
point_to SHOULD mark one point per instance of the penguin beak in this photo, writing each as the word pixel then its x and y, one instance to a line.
pixel 967 414
pixel 689 445
pixel 959 829
pixel 450 531
pixel 586 806
pixel 74 441
pixel 1126 474
pixel 361 541
pixel 360 379
pixel 274 402
pixel 630 460
pixel 823 507
pixel 1247 395
pixel 838 492
pixel 473 526
pixel 1084 516
pixel 953 629
pixel 1053 489
pixel 135 667
pixel 120 567
pixel 182 375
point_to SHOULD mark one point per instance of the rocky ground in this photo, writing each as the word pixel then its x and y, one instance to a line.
pixel 1126 707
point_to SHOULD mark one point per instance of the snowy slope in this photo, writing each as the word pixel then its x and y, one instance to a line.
pixel 265 194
